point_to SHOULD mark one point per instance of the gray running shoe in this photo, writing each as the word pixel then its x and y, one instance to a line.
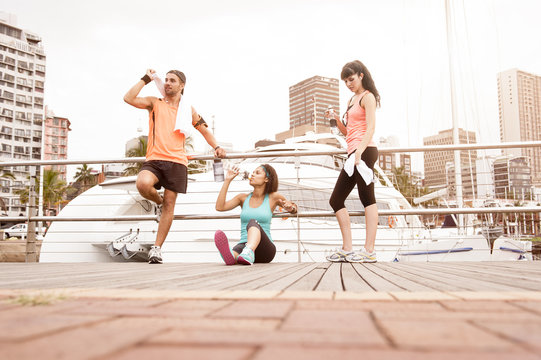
pixel 361 257
pixel 339 256
pixel 155 255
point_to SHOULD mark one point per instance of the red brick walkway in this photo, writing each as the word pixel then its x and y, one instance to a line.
pixel 124 324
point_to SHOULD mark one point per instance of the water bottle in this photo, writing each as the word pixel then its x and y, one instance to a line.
pixel 218 168
pixel 332 121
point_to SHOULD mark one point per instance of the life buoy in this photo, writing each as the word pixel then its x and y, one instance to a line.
pixel 392 220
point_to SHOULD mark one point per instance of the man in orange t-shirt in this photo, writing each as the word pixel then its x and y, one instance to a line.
pixel 166 160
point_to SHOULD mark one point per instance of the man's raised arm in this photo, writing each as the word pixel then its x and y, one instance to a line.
pixel 140 102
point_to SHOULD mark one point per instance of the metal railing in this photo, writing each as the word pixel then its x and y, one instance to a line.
pixel 32 218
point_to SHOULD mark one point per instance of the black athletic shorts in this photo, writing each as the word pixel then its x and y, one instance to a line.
pixel 172 176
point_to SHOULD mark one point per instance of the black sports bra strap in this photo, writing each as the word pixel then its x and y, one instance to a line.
pixel 361 99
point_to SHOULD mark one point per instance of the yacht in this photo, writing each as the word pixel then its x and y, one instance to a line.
pixel 306 180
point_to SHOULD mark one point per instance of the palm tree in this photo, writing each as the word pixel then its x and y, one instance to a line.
pixel 54 189
pixel 85 177
pixel 405 185
pixel 139 151
pixel 7 175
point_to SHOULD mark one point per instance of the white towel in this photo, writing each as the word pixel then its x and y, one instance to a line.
pixel 366 173
pixel 184 113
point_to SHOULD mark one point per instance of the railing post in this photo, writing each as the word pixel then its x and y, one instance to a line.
pixel 31 255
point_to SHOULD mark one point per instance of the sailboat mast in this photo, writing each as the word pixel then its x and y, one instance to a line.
pixel 456 140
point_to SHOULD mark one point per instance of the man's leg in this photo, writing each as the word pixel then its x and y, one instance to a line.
pixel 145 185
pixel 169 200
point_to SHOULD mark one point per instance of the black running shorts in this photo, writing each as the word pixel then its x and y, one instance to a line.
pixel 172 176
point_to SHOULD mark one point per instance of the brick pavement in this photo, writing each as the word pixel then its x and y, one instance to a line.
pixel 133 324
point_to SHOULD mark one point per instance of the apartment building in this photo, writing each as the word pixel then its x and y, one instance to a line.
pixel 22 85
pixel 519 99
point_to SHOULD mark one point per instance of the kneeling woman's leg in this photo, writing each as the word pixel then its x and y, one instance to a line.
pixel 259 248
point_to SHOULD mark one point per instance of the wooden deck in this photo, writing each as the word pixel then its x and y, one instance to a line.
pixel 278 277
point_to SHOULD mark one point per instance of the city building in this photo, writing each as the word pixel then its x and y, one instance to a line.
pixel 519 99
pixel 512 178
pixel 390 161
pixel 469 180
pixel 387 162
pixel 308 101
pixel 436 163
pixel 22 85
pixel 310 98
pixel 56 141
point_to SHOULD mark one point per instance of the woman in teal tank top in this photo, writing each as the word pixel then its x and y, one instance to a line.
pixel 255 243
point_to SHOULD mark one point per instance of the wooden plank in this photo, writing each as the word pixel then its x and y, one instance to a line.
pixel 501 279
pixel 375 281
pixel 309 281
pixel 403 282
pixel 514 267
pixel 331 279
pixel 84 276
pixel 240 276
pixel 352 281
pixel 288 279
pixel 445 281
pixel 270 277
pixel 475 276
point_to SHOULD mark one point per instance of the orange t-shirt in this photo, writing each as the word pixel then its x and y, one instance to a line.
pixel 164 143
pixel 356 127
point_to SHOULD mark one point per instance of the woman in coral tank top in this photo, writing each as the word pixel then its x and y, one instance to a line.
pixel 358 127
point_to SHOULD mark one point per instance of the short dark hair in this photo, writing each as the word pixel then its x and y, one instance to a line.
pixel 272 184
pixel 180 76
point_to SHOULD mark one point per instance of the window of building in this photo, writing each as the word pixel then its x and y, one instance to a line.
pixel 6 130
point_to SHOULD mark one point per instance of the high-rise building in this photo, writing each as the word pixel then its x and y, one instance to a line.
pixel 387 162
pixel 512 178
pixel 437 164
pixel 56 141
pixel 308 101
pixel 317 90
pixel 22 84
pixel 519 98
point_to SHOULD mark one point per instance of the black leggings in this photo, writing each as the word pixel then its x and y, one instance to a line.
pixel 265 251
pixel 345 184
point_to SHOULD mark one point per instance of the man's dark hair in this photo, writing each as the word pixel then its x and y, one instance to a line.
pixel 180 76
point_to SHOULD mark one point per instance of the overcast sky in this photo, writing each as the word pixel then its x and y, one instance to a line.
pixel 241 56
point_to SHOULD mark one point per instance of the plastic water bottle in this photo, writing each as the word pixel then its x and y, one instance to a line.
pixel 218 168
pixel 332 121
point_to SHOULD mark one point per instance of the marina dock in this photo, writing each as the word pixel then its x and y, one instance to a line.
pixel 435 310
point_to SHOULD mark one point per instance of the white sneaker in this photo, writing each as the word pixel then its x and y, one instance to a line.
pixel 339 256
pixel 362 256
pixel 155 255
